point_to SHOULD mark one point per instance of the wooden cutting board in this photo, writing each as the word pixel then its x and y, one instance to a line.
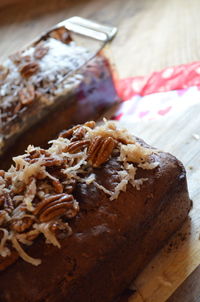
pixel 178 134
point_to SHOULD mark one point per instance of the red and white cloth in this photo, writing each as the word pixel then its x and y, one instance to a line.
pixel 160 93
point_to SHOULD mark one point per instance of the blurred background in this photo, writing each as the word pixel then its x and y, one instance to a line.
pixel 153 34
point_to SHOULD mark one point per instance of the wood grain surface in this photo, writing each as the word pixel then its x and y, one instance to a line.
pixel 152 34
pixel 181 255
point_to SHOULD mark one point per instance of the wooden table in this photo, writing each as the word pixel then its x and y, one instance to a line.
pixel 152 35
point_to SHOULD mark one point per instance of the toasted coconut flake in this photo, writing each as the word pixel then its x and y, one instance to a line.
pixel 103 188
pixel 137 183
pixel 23 254
pixel 4 251
pixel 41 173
pixel 135 153
pixel 148 166
pixel 109 129
pixel 30 194
pixel 90 179
pixel 121 187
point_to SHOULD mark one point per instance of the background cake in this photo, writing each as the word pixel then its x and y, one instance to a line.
pixel 55 80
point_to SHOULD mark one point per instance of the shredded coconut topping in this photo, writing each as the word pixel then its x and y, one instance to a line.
pixel 36 193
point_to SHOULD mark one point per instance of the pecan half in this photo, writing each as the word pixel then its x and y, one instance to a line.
pixel 29 69
pixel 21 225
pixel 61 34
pixel 2 173
pixel 90 124
pixel 25 59
pixel 56 206
pixel 100 150
pixel 76 146
pixel 58 187
pixel 3 72
pixel 48 159
pixel 78 134
pixel 68 133
pixel 27 95
pixel 16 57
pixel 40 51
pixel 38 152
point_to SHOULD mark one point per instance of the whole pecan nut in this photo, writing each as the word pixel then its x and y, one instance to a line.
pixel 78 131
pixel 29 69
pixel 21 225
pixel 16 58
pixel 77 146
pixel 56 206
pixel 47 158
pixel 90 124
pixel 27 95
pixel 40 51
pixel 100 150
pixel 69 133
pixel 2 173
pixel 61 34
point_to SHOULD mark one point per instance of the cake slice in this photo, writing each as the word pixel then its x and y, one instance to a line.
pixel 81 219
pixel 54 77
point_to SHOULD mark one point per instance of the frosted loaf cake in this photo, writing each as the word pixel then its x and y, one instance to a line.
pixel 80 220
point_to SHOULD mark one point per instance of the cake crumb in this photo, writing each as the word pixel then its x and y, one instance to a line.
pixel 175 242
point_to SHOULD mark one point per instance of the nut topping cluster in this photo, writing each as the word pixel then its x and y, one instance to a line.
pixel 36 194
pixel 33 75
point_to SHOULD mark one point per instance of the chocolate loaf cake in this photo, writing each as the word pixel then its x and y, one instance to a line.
pixel 53 77
pixel 80 220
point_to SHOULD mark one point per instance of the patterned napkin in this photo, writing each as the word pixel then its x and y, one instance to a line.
pixel 170 90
